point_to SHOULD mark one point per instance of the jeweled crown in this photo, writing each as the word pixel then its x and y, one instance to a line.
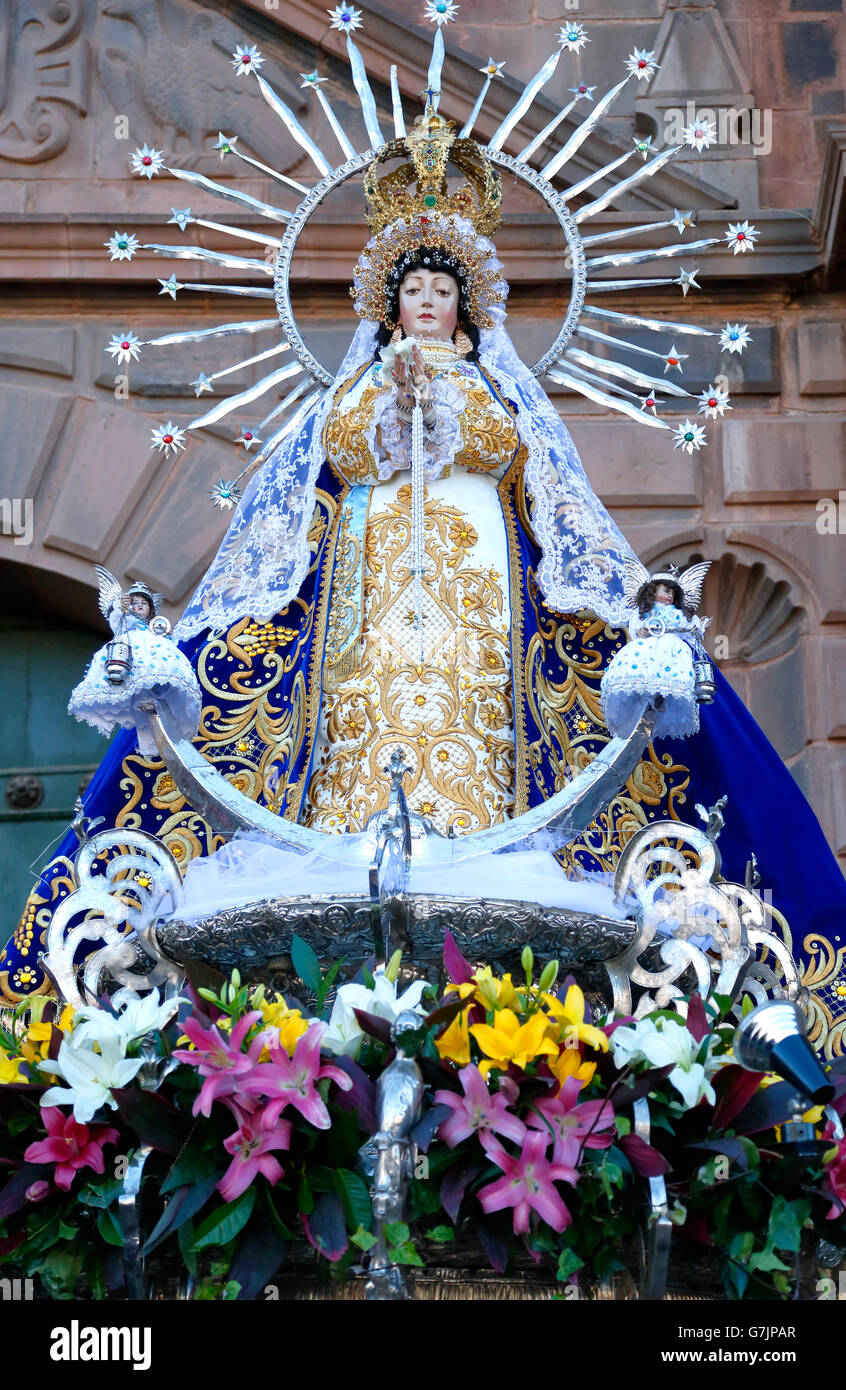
pixel 432 145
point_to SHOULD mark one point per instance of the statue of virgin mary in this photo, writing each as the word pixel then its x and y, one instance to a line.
pixel 421 564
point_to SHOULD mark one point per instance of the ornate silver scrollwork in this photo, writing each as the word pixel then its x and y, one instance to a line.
pixel 120 904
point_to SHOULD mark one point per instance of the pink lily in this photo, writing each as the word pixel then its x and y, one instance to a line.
pixel 589 1125
pixel 528 1184
pixel 219 1059
pixel 250 1146
pixel 478 1110
pixel 292 1080
pixel 70 1146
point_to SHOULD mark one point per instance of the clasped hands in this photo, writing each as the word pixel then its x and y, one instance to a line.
pixel 411 382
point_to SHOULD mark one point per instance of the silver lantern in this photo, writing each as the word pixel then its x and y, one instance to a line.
pixel 118 660
pixel 704 685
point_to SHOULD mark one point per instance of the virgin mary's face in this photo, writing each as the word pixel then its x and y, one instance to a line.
pixel 428 304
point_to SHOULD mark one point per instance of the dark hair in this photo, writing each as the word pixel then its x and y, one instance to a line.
pixel 434 259
pixel 646 596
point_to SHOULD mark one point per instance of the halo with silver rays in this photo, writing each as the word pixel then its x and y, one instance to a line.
pixel 606 380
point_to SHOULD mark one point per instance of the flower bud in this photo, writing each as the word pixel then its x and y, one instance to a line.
pixel 549 975
pixel 37 1191
pixel 527 960
pixel 392 968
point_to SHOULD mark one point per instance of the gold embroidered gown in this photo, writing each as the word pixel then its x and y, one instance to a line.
pixel 451 712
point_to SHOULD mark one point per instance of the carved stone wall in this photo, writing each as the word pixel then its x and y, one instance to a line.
pixel 86 81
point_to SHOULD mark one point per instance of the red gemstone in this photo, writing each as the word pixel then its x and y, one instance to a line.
pixel 641 64
pixel 247 434
pixel 672 361
pixel 146 159
pixel 245 57
pixel 124 345
pixel 168 439
pixel 741 236
pixel 712 400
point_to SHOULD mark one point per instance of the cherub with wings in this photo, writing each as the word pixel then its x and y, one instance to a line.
pixel 657 665
pixel 141 666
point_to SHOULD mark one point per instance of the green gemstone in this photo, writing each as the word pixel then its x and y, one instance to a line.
pixel 430 200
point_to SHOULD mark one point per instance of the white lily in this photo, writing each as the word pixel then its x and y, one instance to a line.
pixel 90 1077
pixel 344 1033
pixel 663 1043
pixel 137 1018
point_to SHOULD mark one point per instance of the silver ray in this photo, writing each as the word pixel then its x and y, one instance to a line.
pixel 603 398
pixel 252 393
pixel 365 97
pixel 337 129
pixel 599 380
pixel 521 106
pixel 627 231
pixel 474 114
pixel 237 232
pixel 266 169
pixel 584 332
pixel 232 195
pixel 577 188
pixel 645 171
pixel 656 253
pixel 548 826
pixel 603 286
pixel 250 361
pixel 286 401
pixel 544 135
pixel 582 131
pixel 245 290
pixel 291 424
pixel 436 67
pixel 291 123
pixel 592 311
pixel 396 103
pixel 199 253
pixel 617 369
pixel 222 330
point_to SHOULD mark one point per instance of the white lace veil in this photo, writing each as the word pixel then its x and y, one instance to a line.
pixel 264 557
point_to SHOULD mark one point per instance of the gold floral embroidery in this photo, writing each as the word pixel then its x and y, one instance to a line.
pixel 345 434
pixel 488 433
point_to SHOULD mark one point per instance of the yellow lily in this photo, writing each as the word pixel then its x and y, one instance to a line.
pixel 496 994
pixel 567 1021
pixel 454 1043
pixel 36 1041
pixel 509 1040
pixel 10 1066
pixel 289 1022
pixel 569 1063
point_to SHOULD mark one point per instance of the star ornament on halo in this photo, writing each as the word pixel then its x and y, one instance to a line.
pixel 688 437
pixel 643 147
pixel 224 144
pixel 681 221
pixel 311 79
pixel 246 58
pixel 345 17
pixel 583 90
pixel 181 216
pixel 246 437
pixel 202 383
pixel 122 246
pixel 124 347
pixel 714 402
pixel 687 280
pixel 674 359
pixel 492 69
pixel 168 438
pixel 734 337
pixel 225 495
pixel 146 162
pixel 574 37
pixel 649 403
pixel 440 11
pixel 170 285
pixel 741 237
pixel 641 64
pixel 700 134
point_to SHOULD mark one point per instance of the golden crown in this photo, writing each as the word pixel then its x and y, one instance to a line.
pixel 431 145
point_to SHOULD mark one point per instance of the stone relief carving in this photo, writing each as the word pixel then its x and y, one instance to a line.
pixel 166 67
pixel 43 77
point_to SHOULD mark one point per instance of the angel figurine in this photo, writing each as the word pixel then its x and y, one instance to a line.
pixel 658 664
pixel 141 666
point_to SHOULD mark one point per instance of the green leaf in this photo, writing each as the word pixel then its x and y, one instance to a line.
pixel 624 1125
pixel 328 981
pixel 185 1240
pixel 305 1201
pixel 786 1221
pixel 231 1290
pixel 396 1232
pixel 94 1278
pixel 355 1196
pixel 109 1229
pixel 441 1234
pixel 363 1239
pixel 368 979
pixel 405 1254
pixel 223 1225
pixel 101 1196
pixel 306 964
pixel 194 1165
pixel 18 1124
pixel 568 1263
pixel 742 1245
pixel 60 1270
pixel 766 1259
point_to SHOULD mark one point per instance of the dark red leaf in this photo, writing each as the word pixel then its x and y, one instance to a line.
pixel 378 1028
pixel 454 1184
pixel 362 1096
pixel 154 1119
pixel 13 1192
pixel 734 1087
pixel 697 1019
pixel 771 1106
pixel 326 1229
pixel 260 1252
pixel 494 1245
pixel 446 1013
pixel 460 971
pixel 645 1159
